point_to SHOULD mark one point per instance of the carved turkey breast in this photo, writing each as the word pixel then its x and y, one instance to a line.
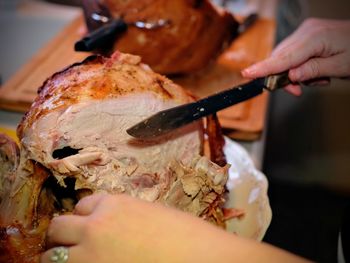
pixel 74 143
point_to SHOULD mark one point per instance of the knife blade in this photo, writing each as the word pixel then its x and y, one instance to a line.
pixel 167 120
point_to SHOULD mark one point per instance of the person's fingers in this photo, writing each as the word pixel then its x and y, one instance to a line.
pixel 293 89
pixel 296 89
pixel 295 50
pixel 293 39
pixel 287 43
pixel 65 230
pixel 317 82
pixel 291 57
pixel 75 255
pixel 88 204
pixel 319 67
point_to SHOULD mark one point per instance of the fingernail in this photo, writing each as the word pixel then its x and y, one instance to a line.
pixel 249 71
pixel 295 75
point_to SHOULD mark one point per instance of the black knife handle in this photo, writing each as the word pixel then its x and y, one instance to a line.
pixel 99 38
pixel 277 81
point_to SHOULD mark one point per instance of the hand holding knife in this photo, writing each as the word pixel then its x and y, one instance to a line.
pixel 170 119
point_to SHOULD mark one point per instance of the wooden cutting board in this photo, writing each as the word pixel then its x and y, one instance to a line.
pixel 243 121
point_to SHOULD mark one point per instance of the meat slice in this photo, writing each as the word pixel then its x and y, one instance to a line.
pixel 74 143
pixel 77 126
pixel 197 31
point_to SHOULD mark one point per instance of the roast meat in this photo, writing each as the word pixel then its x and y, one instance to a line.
pixel 196 32
pixel 73 142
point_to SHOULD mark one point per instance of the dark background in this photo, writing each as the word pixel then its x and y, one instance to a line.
pixel 307 157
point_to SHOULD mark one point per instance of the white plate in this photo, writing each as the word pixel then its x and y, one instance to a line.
pixel 248 191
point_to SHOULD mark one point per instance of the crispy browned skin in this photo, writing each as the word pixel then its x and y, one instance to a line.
pixel 23 218
pixel 196 33
pixel 216 140
pixel 98 78
pixel 9 159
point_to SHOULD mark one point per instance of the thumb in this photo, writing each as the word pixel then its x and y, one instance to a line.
pixel 318 67
pixel 88 204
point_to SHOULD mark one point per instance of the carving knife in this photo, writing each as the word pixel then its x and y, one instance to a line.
pixel 168 120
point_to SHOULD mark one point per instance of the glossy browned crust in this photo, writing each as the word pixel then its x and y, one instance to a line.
pixel 9 160
pixel 197 32
pixel 20 245
pixel 98 78
pixel 24 241
pixel 216 140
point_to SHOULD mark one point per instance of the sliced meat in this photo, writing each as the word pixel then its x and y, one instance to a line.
pixel 74 143
pixel 88 108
